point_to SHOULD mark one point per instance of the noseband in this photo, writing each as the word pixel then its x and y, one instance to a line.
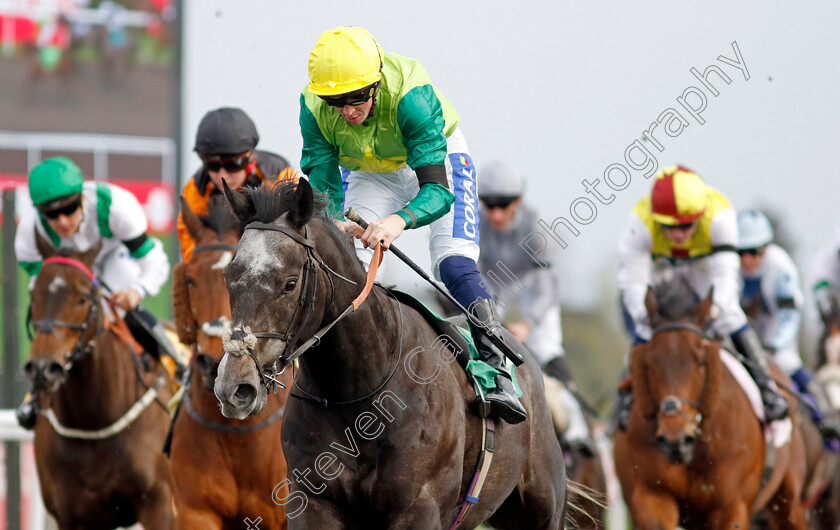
pixel 83 344
pixel 673 405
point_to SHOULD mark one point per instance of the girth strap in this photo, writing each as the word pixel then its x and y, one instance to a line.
pixel 485 457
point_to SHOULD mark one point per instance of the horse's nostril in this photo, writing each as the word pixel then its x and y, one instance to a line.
pixel 244 395
pixel 54 370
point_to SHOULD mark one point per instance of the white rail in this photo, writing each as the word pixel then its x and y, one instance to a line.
pixel 101 145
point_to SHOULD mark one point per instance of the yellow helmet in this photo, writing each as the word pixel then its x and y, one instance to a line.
pixel 344 59
pixel 678 196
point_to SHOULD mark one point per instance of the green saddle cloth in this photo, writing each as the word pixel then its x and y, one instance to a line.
pixel 482 373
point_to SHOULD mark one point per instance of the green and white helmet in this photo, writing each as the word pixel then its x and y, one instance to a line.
pixel 54 179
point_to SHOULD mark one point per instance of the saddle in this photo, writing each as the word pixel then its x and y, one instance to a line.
pixel 442 327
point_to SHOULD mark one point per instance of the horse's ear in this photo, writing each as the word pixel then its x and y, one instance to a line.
pixel 89 255
pixel 652 307
pixel 303 206
pixel 191 220
pixel 702 312
pixel 45 249
pixel 241 205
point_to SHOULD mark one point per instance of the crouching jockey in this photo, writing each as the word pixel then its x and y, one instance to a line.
pixel 687 228
pixel 771 297
pixel 73 214
pixel 378 137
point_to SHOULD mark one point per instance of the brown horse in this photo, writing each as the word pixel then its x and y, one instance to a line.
pixel 218 482
pixel 382 433
pixel 103 416
pixel 694 452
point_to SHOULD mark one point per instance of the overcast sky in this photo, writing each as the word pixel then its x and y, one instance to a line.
pixel 562 89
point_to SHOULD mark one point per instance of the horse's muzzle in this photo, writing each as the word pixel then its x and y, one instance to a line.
pixel 45 375
pixel 680 451
pixel 238 388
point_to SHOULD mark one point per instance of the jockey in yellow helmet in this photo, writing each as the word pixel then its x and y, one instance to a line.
pixel 379 137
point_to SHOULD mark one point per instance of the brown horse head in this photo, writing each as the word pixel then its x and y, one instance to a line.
pixel 277 289
pixel 671 370
pixel 64 312
pixel 202 314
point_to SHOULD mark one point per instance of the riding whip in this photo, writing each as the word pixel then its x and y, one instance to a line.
pixel 354 216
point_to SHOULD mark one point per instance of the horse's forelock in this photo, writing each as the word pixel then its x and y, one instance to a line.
pixel 676 299
pixel 273 200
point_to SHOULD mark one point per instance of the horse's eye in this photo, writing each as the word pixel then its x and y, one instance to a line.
pixel 289 286
pixel 189 281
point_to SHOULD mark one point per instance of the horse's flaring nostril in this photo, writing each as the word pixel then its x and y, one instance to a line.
pixel 244 396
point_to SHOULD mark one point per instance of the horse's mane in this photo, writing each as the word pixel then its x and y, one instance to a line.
pixel 676 299
pixel 220 217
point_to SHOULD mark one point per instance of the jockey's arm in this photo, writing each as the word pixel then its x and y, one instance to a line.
pixel 788 302
pixel 26 250
pixel 421 122
pixel 540 294
pixel 724 267
pixel 634 272
pixel 127 222
pixel 153 264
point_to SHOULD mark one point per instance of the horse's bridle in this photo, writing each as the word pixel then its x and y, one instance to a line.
pixel 83 344
pixel 308 292
pixel 673 405
pixel 214 328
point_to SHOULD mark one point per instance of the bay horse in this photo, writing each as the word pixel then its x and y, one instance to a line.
pixel 694 451
pixel 103 417
pixel 218 482
pixel 381 433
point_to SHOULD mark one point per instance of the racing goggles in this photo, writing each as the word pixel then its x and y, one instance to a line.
pixel 497 201
pixel 231 164
pixel 758 251
pixel 354 99
pixel 681 226
pixel 66 210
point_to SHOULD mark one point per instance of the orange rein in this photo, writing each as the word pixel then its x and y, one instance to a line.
pixel 371 273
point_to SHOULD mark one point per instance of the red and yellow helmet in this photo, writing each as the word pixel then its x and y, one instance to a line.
pixel 678 196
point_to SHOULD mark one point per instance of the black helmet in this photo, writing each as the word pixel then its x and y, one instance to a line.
pixel 226 131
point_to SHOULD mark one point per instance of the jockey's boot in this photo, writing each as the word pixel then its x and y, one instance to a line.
pixel 503 401
pixel 623 403
pixel 747 344
pixel 828 426
pixel 577 435
pixel 149 333
pixel 27 412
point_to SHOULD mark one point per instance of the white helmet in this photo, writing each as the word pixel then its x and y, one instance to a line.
pixel 500 179
pixel 754 230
